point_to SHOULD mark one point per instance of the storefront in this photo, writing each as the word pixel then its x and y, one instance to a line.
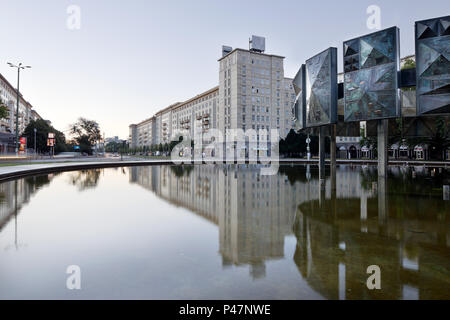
pixel 421 152
pixel 7 143
pixel 394 151
pixel 367 152
pixel 342 152
pixel 404 151
pixel 348 151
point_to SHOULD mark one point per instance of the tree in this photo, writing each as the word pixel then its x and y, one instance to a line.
pixel 294 145
pixel 42 131
pixel 3 110
pixel 85 133
pixel 438 140
pixel 409 64
pixel 113 146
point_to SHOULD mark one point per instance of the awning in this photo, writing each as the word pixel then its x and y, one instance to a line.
pixel 404 147
pixel 394 147
pixel 420 148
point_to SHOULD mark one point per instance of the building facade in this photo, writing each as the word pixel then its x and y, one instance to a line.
pixel 195 115
pixel 252 94
pixel 8 96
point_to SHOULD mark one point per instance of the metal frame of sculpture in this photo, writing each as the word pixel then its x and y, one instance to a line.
pixel 299 84
pixel 371 66
pixel 321 89
pixel 433 66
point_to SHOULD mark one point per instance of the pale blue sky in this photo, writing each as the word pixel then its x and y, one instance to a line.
pixel 131 58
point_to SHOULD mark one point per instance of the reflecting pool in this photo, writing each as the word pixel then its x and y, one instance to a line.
pixel 226 232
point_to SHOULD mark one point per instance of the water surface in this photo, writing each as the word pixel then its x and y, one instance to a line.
pixel 226 232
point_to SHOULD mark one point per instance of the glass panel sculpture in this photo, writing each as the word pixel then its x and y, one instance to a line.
pixel 321 88
pixel 371 65
pixel 433 66
pixel 300 101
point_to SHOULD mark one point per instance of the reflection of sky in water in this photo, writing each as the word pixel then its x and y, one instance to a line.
pixel 221 233
pixel 410 293
pixel 410 264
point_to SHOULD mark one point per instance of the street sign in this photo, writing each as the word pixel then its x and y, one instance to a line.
pixel 51 135
pixel 50 142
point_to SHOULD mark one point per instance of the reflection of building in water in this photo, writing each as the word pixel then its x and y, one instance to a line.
pixel 254 212
pixel 16 193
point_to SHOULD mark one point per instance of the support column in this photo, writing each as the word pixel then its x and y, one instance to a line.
pixel 322 156
pixel 333 157
pixel 382 130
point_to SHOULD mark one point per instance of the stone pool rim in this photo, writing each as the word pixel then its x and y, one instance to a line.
pixel 13 174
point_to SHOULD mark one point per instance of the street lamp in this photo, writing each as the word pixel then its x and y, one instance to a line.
pixel 308 149
pixel 19 67
pixel 35 148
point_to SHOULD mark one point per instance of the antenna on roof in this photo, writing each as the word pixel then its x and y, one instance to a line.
pixel 257 44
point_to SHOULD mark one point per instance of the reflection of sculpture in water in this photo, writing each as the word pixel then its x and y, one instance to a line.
pixel 334 250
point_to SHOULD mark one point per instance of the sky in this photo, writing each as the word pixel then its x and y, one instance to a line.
pixel 127 59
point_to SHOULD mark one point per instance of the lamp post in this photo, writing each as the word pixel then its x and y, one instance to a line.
pixel 308 150
pixel 19 67
pixel 35 148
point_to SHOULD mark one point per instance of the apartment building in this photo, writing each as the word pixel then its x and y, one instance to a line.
pixel 132 135
pixel 35 116
pixel 197 114
pixel 252 94
pixel 8 95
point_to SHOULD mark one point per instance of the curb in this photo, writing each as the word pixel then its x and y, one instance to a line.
pixel 100 165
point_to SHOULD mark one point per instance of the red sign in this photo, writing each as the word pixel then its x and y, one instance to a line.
pixel 22 145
